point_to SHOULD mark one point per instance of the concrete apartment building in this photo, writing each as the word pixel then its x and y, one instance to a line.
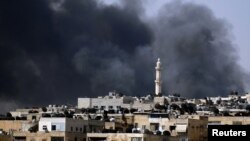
pixel 69 125
pixel 60 129
pixel 229 120
pixel 125 137
pixel 111 102
pixel 15 125
pixel 197 129
pixel 182 127
pixel 115 102
pixel 150 121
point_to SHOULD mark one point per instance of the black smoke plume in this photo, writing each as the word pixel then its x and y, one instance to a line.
pixel 53 51
pixel 197 50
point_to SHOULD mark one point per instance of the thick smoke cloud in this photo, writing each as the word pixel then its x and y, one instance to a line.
pixel 197 50
pixel 53 51
pixel 56 51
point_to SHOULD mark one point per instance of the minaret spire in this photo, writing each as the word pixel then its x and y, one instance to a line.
pixel 158 77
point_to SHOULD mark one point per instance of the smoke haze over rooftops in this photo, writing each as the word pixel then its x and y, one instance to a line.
pixel 53 51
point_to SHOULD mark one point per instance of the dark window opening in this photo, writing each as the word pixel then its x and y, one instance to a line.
pixel 53 127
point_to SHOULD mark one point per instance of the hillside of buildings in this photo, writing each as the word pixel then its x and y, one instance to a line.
pixel 120 117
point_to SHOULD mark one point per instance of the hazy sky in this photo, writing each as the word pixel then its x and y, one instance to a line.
pixel 235 12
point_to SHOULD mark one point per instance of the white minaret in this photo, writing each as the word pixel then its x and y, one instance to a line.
pixel 158 77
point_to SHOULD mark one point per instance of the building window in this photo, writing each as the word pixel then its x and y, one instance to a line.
pixel 57 138
pixel 154 126
pixel 143 127
pixel 44 127
pixel 163 127
pixel 96 107
pixel 136 139
pixel 84 129
pixel 172 128
pixel 19 138
pixel 103 107
pixel 76 129
pixel 214 122
pixel 136 125
pixel 110 107
pixel 80 129
pixel 237 123
pixel 71 129
pixel 33 117
pixel 118 107
pixel 53 127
